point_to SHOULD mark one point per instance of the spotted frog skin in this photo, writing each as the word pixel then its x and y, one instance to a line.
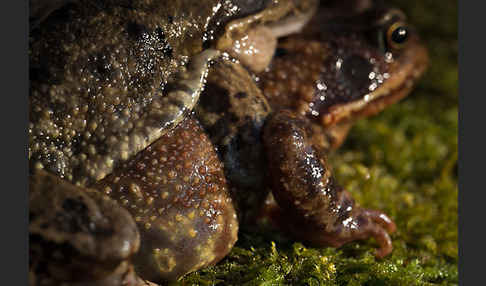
pixel 157 128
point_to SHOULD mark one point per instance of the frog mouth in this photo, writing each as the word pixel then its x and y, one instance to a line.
pixel 404 72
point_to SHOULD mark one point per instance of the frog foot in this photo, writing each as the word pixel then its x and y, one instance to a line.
pixel 78 235
pixel 356 223
pixel 312 207
pixel 378 227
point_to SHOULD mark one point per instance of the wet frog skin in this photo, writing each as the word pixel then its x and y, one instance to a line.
pixel 110 80
pixel 317 84
pixel 112 122
pixel 98 68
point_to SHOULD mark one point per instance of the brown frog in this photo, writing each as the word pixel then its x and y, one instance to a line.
pixel 274 135
pixel 113 84
pixel 111 130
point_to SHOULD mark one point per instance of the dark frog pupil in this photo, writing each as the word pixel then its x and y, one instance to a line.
pixel 399 35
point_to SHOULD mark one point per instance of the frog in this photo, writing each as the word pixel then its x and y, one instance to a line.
pixel 112 84
pixel 112 130
pixel 275 135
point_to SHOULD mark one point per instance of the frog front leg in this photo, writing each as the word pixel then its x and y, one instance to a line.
pixel 314 207
pixel 253 39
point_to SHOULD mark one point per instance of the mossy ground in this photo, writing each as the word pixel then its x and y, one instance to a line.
pixel 404 162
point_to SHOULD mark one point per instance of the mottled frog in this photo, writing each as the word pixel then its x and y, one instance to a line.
pixel 158 127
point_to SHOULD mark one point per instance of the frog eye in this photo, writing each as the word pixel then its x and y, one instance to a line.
pixel 397 35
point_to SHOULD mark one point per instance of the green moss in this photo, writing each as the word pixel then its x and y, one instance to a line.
pixel 404 162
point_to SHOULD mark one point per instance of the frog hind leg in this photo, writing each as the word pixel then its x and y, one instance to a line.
pixel 177 193
pixel 311 206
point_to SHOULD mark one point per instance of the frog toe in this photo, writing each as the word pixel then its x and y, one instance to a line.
pixel 370 224
pixel 384 240
pixel 381 219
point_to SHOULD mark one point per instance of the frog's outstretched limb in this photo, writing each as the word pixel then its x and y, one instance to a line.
pixel 182 96
pixel 312 207
pixel 164 113
pixel 253 39
pixel 179 100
